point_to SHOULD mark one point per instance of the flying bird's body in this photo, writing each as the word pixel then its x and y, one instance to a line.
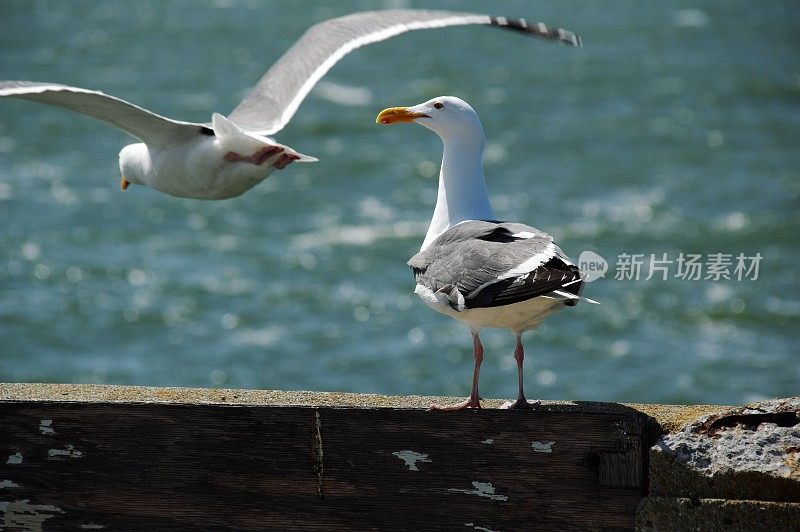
pixel 228 156
pixel 221 165
pixel 471 267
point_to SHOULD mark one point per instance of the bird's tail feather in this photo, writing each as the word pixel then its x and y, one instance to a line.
pixel 561 294
pixel 234 138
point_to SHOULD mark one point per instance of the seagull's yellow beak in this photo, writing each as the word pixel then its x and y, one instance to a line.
pixel 123 183
pixel 394 115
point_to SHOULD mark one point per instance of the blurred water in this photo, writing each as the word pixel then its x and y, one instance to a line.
pixel 675 129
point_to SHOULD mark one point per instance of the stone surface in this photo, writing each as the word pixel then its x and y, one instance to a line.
pixel 671 418
pixel 752 452
pixel 669 513
pixel 663 417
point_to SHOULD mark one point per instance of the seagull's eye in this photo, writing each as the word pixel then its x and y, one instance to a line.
pixel 438 105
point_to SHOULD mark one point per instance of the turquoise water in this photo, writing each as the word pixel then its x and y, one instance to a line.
pixel 676 129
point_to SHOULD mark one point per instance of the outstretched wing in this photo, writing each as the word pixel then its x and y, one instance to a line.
pixel 273 101
pixel 149 127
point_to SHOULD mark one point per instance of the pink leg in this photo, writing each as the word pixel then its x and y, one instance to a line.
pixel 521 402
pixel 474 400
pixel 257 158
pixel 265 153
pixel 285 160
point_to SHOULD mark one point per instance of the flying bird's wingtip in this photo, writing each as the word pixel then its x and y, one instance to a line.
pixel 568 37
pixel 538 29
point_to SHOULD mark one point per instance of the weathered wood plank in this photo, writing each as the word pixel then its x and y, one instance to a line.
pixel 125 465
pixel 496 470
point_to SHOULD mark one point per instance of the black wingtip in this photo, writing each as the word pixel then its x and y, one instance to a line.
pixel 538 29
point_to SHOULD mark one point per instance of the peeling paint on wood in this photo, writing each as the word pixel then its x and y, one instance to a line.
pixel 480 528
pixel 251 467
pixel 542 446
pixel 411 458
pixel 8 484
pixel 22 515
pixel 70 452
pixel 15 459
pixel 488 441
pixel 482 489
pixel 92 526
pixel 46 426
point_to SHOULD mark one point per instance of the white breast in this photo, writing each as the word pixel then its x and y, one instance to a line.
pixel 197 169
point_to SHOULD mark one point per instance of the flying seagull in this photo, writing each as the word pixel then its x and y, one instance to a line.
pixel 228 156
pixel 483 272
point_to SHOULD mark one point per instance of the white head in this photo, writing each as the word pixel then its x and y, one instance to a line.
pixel 449 117
pixel 462 191
pixel 134 164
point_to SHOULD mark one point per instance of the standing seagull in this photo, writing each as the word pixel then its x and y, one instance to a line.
pixel 471 267
pixel 231 155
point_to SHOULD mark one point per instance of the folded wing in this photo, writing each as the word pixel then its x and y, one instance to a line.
pixel 481 264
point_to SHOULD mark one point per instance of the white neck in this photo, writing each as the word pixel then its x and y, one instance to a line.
pixel 462 187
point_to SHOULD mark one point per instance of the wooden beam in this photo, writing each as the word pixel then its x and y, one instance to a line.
pixel 125 457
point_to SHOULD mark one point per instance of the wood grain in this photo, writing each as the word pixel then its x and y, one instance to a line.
pixel 120 465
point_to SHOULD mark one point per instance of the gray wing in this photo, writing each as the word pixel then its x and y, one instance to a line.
pixel 490 264
pixel 273 101
pixel 149 127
